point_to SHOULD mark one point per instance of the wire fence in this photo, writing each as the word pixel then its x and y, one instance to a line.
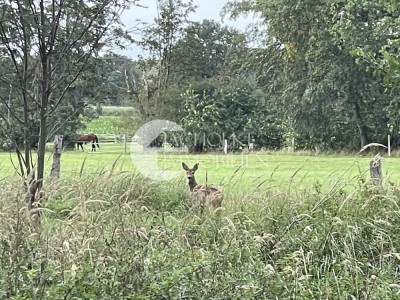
pixel 119 144
pixel 126 144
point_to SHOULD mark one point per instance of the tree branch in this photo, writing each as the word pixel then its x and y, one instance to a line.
pixel 54 129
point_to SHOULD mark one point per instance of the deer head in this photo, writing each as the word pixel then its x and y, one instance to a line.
pixel 190 174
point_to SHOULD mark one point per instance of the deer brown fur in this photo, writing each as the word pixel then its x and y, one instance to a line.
pixel 201 195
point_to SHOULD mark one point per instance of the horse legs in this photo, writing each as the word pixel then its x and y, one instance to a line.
pixel 80 144
pixel 93 147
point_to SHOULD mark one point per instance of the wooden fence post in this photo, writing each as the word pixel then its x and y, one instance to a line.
pixel 125 144
pixel 58 144
pixel 375 168
pixel 226 146
pixel 389 145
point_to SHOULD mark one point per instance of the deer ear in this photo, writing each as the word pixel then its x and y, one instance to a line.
pixel 184 166
pixel 196 166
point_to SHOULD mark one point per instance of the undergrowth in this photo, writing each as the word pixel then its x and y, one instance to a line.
pixel 119 236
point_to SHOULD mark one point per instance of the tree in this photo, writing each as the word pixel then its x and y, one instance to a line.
pixel 204 51
pixel 234 109
pixel 48 44
pixel 158 40
pixel 200 58
pixel 322 92
pixel 105 80
pixel 370 30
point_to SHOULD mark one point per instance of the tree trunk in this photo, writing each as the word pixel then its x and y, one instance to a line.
pixel 360 124
pixel 24 85
pixel 42 147
pixel 44 101
pixel 27 142
pixel 355 99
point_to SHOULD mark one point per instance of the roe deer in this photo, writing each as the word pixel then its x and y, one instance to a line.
pixel 201 195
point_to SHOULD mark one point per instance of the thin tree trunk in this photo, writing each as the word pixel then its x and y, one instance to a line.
pixel 44 97
pixel 24 85
pixel 360 124
pixel 41 148
pixel 355 98
pixel 43 123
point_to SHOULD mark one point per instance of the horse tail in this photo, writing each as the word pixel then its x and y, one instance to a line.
pixel 97 141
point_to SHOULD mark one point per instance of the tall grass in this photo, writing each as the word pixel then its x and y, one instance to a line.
pixel 120 236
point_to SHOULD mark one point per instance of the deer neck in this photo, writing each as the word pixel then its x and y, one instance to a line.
pixel 192 184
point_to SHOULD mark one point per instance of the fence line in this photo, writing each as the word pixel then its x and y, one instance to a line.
pixel 121 143
pixel 112 145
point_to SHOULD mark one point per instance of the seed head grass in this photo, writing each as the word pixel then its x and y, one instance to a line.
pixel 109 232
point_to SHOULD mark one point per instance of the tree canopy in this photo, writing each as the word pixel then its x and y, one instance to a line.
pixel 324 73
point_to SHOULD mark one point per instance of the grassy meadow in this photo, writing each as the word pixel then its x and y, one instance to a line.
pixel 291 226
pixel 246 170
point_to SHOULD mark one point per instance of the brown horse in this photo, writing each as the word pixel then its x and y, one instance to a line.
pixel 86 138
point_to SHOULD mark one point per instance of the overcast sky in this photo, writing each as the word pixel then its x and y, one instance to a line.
pixel 206 9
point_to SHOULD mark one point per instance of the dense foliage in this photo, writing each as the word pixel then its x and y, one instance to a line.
pixel 332 97
pixel 324 73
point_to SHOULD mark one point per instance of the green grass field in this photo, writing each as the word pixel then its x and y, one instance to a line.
pixel 291 226
pixel 103 125
pixel 300 170
pixel 245 170
pixel 109 110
